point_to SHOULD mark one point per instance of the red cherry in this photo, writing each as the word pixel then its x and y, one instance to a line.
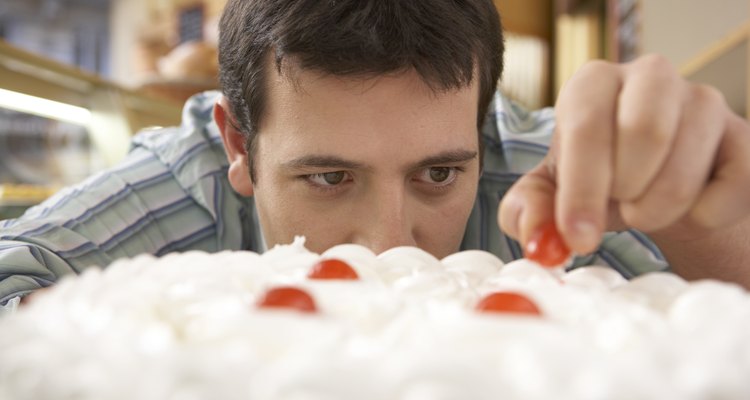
pixel 332 269
pixel 547 247
pixel 288 297
pixel 507 302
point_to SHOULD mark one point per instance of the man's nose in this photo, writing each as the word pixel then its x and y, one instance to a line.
pixel 387 222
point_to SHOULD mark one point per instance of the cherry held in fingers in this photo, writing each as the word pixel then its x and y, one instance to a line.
pixel 547 247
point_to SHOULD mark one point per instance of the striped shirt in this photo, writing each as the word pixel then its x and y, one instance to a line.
pixel 171 193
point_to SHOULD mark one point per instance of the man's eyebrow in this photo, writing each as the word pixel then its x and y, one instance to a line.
pixel 447 157
pixel 334 162
pixel 318 161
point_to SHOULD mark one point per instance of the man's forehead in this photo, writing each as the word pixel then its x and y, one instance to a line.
pixel 289 73
pixel 310 112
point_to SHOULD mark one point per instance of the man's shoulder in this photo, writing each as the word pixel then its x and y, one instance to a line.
pixel 515 139
pixel 196 138
pixel 509 121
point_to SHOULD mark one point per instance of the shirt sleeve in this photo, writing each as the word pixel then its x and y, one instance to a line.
pixel 169 194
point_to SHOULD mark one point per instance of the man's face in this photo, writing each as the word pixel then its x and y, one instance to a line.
pixel 381 162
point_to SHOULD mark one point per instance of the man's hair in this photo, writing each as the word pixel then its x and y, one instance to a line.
pixel 447 42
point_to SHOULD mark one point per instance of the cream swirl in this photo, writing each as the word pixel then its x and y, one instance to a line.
pixel 186 326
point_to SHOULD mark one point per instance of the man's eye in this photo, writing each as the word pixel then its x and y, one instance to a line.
pixel 438 176
pixel 328 178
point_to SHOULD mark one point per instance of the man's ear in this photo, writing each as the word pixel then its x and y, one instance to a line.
pixel 234 146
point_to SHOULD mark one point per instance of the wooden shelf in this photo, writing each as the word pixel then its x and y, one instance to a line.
pixel 117 112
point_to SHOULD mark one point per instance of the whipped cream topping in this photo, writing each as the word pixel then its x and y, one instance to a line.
pixel 185 326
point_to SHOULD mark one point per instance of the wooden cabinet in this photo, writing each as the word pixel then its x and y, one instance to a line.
pixel 527 17
pixel 529 34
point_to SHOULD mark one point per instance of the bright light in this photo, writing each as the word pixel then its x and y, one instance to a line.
pixel 43 107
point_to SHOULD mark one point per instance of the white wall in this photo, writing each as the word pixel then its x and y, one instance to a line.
pixel 680 29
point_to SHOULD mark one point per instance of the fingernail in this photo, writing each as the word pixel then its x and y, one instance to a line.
pixel 586 236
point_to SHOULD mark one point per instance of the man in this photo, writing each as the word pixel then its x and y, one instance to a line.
pixel 358 121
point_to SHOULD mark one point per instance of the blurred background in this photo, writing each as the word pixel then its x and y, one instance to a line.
pixel 79 77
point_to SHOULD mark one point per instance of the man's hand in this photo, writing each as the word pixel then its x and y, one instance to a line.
pixel 637 146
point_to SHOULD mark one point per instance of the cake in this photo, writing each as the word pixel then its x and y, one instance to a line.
pixel 409 326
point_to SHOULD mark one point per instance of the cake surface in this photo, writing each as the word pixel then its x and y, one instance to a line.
pixel 188 326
